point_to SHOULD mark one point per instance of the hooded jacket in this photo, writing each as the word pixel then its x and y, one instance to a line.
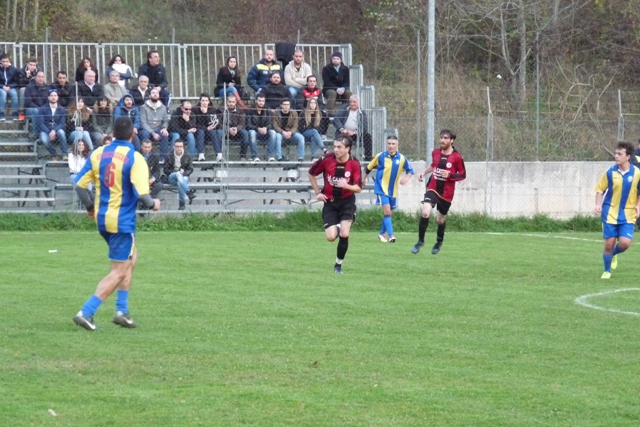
pixel 9 77
pixel 153 116
pixel 133 113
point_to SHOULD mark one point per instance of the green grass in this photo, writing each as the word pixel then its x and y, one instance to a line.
pixel 254 329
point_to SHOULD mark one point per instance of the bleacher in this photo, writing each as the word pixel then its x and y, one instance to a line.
pixel 30 182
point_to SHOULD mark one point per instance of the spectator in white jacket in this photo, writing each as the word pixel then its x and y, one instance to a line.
pixel 295 76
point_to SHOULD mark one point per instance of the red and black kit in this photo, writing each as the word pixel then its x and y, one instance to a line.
pixel 445 187
pixel 333 172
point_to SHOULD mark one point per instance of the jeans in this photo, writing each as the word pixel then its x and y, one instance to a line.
pixel 316 140
pixel 61 138
pixel 294 94
pixel 296 138
pixel 164 141
pixel 13 94
pixel 182 182
pixel 202 135
pixel 230 91
pixel 77 135
pixel 31 114
pixel 270 137
pixel 190 142
pixel 242 136
pixel 331 96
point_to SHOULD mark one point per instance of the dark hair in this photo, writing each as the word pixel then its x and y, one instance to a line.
pixel 392 136
pixel 449 133
pixel 32 59
pixel 145 141
pixel 64 73
pixel 123 128
pixel 4 56
pixel 180 141
pixel 261 95
pixel 627 146
pixel 151 52
pixel 348 142
pixel 285 100
pixel 229 59
pixel 81 68
pixel 205 95
pixel 312 75
pixel 113 59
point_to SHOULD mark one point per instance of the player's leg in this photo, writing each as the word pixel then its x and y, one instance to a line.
pixel 122 316
pixel 442 208
pixel 387 210
pixel 610 234
pixel 330 221
pixel 383 227
pixel 347 215
pixel 427 204
pixel 625 236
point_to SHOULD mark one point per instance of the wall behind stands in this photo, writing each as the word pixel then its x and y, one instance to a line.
pixel 507 189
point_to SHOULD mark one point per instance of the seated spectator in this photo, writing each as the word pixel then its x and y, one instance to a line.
pixel 8 87
pixel 117 63
pixel 285 123
pixel 26 75
pixel 88 89
pixel 236 125
pixel 79 123
pixel 107 140
pixel 154 121
pixel 177 168
pixel 66 91
pixel 335 79
pixel 311 90
pixel 352 122
pixel 313 124
pixel 127 108
pixel 36 96
pixel 295 77
pixel 78 156
pixel 102 119
pixel 182 126
pixel 85 65
pixel 141 91
pixel 155 171
pixel 259 74
pixel 260 127
pixel 208 120
pixel 275 92
pixel 50 123
pixel 157 75
pixel 112 90
pixel 230 74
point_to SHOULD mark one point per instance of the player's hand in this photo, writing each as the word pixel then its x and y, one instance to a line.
pixel 405 179
pixel 444 174
pixel 91 213
pixel 342 182
pixel 321 197
pixel 637 212
pixel 598 210
pixel 421 177
pixel 156 205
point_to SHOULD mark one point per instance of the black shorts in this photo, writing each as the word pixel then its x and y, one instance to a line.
pixel 339 210
pixel 441 205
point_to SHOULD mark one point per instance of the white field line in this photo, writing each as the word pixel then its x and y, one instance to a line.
pixel 583 301
pixel 545 236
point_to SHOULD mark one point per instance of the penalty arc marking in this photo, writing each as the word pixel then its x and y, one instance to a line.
pixel 584 301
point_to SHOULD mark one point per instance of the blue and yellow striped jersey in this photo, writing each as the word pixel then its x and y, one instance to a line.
pixel 119 175
pixel 389 171
pixel 620 195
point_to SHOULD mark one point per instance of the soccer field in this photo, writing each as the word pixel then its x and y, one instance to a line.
pixel 254 329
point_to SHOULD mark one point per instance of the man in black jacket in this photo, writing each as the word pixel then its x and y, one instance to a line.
pixel 155 171
pixel 177 168
pixel 335 82
pixel 157 75
pixel 66 92
pixel 88 89
pixel 351 121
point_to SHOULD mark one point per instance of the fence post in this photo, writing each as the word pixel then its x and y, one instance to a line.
pixel 489 156
pixel 620 118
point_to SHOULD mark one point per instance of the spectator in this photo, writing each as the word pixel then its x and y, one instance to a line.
pixel 275 92
pixel 295 76
pixel 117 63
pixel 79 123
pixel 66 91
pixel 36 95
pixel 127 108
pixel 157 75
pixel 182 126
pixel 352 122
pixel 85 65
pixel 141 91
pixel 285 123
pixel 230 74
pixel 235 121
pixel 77 158
pixel 8 87
pixel 155 171
pixel 177 168
pixel 208 120
pixel 335 79
pixel 313 124
pixel 26 75
pixel 154 121
pixel 89 89
pixel 112 90
pixel 50 122
pixel 311 90
pixel 260 127
pixel 259 74
pixel 107 140
pixel 102 116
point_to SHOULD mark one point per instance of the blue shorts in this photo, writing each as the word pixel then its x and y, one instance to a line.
pixel 121 245
pixel 618 230
pixel 386 200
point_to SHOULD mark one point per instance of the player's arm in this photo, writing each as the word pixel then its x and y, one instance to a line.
pixel 598 208
pixel 424 173
pixel 460 173
pixel 83 179
pixel 313 180
pixel 601 187
pixel 373 164
pixel 140 181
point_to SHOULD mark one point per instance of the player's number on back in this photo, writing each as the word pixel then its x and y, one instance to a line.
pixel 110 175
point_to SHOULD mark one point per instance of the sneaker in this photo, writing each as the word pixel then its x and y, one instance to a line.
pixel 300 159
pixel 392 239
pixel 219 157
pixel 191 194
pixel 256 160
pixel 3 118
pixel 337 269
pixel 181 206
pixel 272 159
pixel 124 320
pixel 243 159
pixel 65 158
pixel 436 248
pixel 21 117
pixel 417 247
pixel 14 117
pixel 85 322
pixel 282 159
pixel 606 275
pixel 382 238
pixel 614 262
pixel 201 157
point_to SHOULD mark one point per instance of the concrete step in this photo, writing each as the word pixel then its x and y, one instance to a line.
pixel 23 177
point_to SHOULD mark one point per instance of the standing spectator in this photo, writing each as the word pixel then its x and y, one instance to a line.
pixel 157 75
pixel 155 171
pixel 275 92
pixel 312 125
pixel 230 74
pixel 77 158
pixel 285 123
pixel 295 76
pixel 66 91
pixel 89 89
pixel 26 75
pixel 141 91
pixel 85 65
pixel 117 63
pixel 177 168
pixel 341 183
pixel 154 121
pixel 182 125
pixel 352 122
pixel 8 87
pixel 208 121
pixel 259 74
pixel 50 122
pixel 311 90
pixel 234 121
pixel 260 127
pixel 127 108
pixel 79 123
pixel 36 95
pixel 102 116
pixel 335 81
pixel 389 165
pixel 113 90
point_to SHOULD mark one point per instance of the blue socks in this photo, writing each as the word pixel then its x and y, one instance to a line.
pixel 122 301
pixel 616 250
pixel 387 224
pixel 91 306
pixel 607 261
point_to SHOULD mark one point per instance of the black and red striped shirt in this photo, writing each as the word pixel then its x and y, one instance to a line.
pixel 452 162
pixel 334 171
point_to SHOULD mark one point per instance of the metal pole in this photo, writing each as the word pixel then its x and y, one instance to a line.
pixel 419 95
pixel 431 79
pixel 298 40
pixel 620 118
pixel 538 96
pixel 173 35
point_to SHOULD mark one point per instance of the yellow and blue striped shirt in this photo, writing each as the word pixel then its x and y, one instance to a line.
pixel 620 195
pixel 389 171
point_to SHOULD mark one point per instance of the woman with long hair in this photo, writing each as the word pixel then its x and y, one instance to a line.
pixel 102 119
pixel 84 65
pixel 79 123
pixel 230 74
pixel 313 124
pixel 118 64
pixel 78 155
